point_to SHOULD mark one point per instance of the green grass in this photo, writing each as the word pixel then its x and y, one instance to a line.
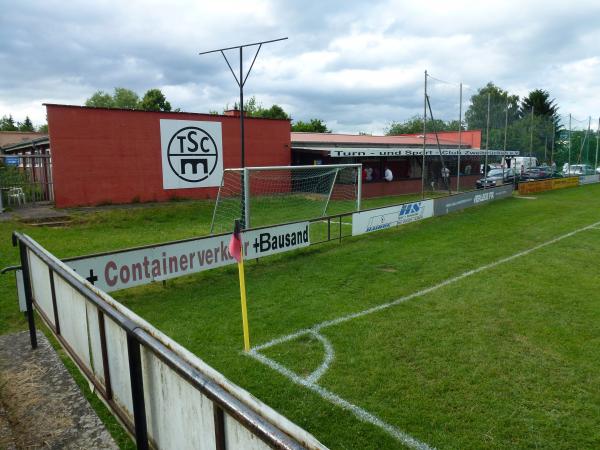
pixel 506 358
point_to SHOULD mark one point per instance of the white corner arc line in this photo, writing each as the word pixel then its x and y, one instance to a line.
pixel 342 319
pixel 327 360
pixel 359 412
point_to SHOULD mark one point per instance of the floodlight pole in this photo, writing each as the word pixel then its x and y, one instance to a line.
pixel 424 138
pixel 597 140
pixel 505 136
pixel 241 81
pixel 569 169
pixel 459 139
pixel 487 143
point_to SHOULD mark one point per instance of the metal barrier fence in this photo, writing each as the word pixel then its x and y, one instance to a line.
pixel 165 396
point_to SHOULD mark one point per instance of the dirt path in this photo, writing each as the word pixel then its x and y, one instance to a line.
pixel 43 406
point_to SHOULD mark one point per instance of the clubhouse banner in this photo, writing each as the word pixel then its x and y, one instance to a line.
pixel 445 205
pixel 382 218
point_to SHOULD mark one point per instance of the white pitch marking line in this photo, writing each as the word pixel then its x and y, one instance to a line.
pixel 359 412
pixel 327 360
pixel 314 330
pixel 329 323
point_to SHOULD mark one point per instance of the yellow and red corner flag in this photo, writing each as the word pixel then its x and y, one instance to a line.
pixel 236 250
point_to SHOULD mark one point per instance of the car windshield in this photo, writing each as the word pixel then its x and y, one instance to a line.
pixel 496 172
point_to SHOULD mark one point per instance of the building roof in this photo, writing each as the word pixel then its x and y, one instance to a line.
pixel 14 137
pixel 29 144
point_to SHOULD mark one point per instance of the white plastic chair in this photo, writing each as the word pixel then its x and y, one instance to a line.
pixel 16 196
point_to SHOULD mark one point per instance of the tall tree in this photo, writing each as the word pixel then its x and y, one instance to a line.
pixel 313 126
pixel 252 108
pixel 414 125
pixel 7 123
pixel 154 100
pixel 100 99
pixel 26 125
pixel 476 114
pixel 541 103
pixel 125 99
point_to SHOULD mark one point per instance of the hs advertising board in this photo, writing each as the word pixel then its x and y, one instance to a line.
pixel 381 218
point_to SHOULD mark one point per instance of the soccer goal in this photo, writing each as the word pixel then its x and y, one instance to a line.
pixel 261 196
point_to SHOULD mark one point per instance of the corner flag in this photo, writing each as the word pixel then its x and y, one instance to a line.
pixel 236 250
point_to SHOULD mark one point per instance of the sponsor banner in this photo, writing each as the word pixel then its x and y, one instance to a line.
pixel 192 153
pixel 547 185
pixel 11 161
pixel 589 179
pixel 283 238
pixel 347 152
pixel 136 267
pixel 457 202
pixel 382 218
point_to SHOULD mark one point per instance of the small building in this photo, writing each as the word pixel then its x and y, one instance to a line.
pixel 403 155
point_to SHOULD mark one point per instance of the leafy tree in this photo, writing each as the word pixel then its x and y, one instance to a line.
pixel 43 128
pixel 539 100
pixel 414 125
pixel 254 109
pixel 154 100
pixel 7 123
pixel 274 112
pixel 476 114
pixel 125 99
pixel 314 126
pixel 26 125
pixel 100 99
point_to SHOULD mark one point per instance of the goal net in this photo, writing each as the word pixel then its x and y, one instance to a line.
pixel 260 196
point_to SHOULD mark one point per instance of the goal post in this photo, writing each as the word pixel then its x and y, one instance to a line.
pixel 260 196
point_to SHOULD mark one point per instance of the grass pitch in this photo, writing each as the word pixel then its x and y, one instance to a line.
pixel 506 357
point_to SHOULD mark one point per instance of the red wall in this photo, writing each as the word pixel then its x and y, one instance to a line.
pixel 114 156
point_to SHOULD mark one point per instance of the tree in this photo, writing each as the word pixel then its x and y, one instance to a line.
pixel 476 114
pixel 125 99
pixel 26 125
pixel 100 99
pixel 43 128
pixel 274 112
pixel 414 125
pixel 7 123
pixel 314 126
pixel 254 109
pixel 539 100
pixel 154 100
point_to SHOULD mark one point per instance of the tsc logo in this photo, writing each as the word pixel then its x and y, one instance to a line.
pixel 192 154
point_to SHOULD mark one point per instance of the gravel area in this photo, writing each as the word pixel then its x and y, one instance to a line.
pixel 43 407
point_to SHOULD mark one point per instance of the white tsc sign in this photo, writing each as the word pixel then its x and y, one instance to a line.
pixel 192 153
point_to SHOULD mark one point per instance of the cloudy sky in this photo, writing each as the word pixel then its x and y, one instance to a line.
pixel 357 65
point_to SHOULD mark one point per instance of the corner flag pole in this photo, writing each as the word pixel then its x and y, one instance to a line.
pixel 243 300
pixel 236 249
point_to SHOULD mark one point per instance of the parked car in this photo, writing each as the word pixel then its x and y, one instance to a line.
pixel 496 177
pixel 578 169
pixel 539 173
pixel 598 169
